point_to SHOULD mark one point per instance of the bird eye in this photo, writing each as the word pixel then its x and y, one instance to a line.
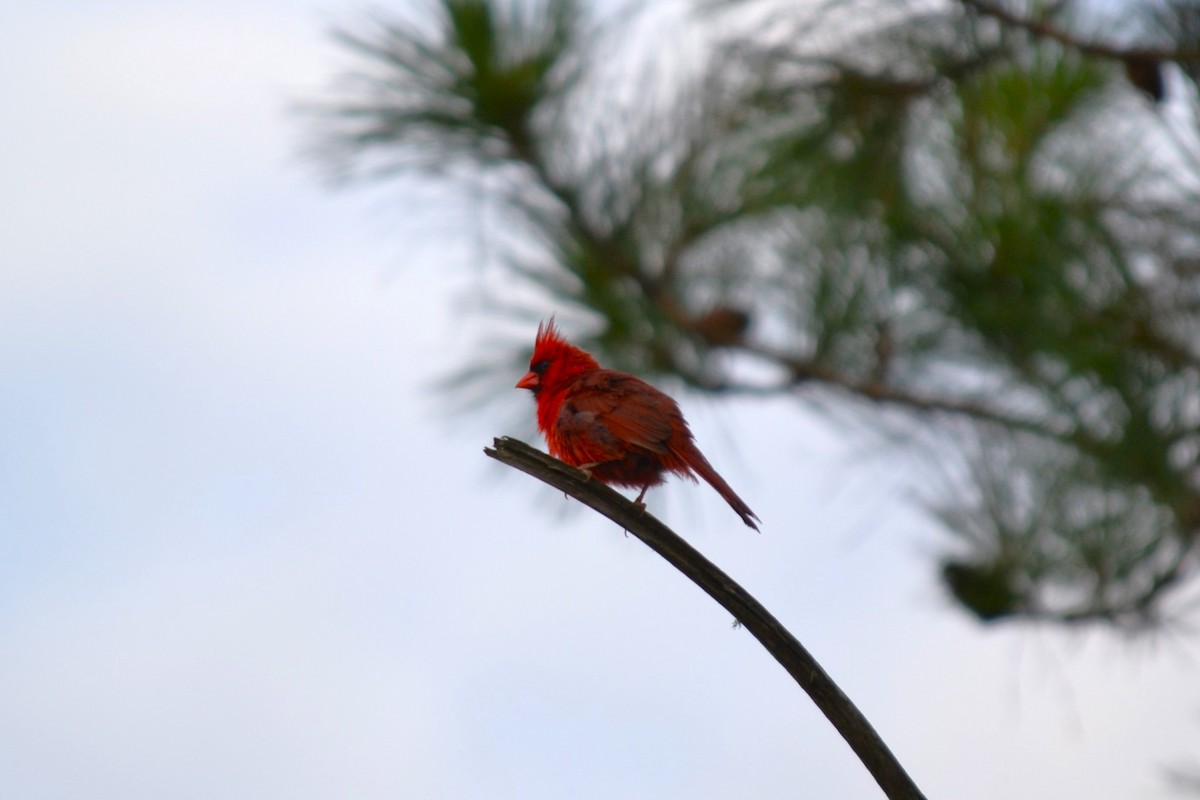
pixel 540 367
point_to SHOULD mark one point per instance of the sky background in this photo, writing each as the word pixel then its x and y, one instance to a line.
pixel 247 551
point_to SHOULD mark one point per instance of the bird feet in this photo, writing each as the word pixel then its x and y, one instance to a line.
pixel 640 504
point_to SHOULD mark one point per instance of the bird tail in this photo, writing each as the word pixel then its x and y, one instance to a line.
pixel 699 464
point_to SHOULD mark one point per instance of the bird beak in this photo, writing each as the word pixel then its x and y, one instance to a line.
pixel 530 381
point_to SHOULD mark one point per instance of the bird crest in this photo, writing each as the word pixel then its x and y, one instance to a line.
pixel 547 332
pixel 566 358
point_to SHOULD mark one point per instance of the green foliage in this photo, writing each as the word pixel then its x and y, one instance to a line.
pixel 982 223
pixel 468 90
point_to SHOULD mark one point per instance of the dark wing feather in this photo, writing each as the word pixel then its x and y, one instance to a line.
pixel 619 410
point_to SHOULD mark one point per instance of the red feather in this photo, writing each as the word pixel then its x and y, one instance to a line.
pixel 618 427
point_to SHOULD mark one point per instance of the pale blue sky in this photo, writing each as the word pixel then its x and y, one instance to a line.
pixel 243 554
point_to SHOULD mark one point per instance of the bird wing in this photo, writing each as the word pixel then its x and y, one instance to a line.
pixel 617 411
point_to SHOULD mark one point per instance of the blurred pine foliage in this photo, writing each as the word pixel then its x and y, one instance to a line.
pixel 974 219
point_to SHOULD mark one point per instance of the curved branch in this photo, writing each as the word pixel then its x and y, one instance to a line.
pixel 834 704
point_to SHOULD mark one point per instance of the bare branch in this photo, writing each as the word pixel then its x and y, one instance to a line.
pixel 785 648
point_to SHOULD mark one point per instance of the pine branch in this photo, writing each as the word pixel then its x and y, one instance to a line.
pixel 791 655
pixel 1046 30
pixel 805 371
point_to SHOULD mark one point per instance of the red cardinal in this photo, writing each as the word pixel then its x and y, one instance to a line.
pixel 615 426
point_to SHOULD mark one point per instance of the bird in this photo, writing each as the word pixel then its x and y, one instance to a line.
pixel 613 425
